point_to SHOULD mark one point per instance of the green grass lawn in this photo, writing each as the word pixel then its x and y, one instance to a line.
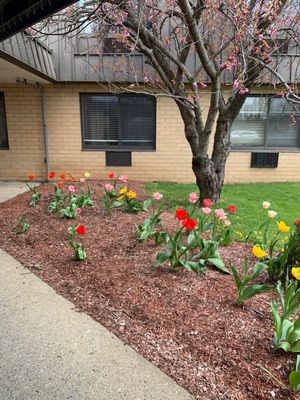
pixel 248 198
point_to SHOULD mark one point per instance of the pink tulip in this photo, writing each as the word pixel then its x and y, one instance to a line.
pixel 227 223
pixel 71 188
pixel 82 180
pixel 78 210
pixel 157 196
pixel 193 198
pixel 123 178
pixel 206 210
pixel 108 187
pixel 220 213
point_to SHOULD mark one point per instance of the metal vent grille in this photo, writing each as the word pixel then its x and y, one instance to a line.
pixel 118 158
pixel 264 160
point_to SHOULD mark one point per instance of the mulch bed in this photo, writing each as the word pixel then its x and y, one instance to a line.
pixel 186 324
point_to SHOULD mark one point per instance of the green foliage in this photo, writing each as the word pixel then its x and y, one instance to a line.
pixel 246 290
pixel 57 202
pixel 287 332
pixel 294 377
pixel 79 251
pixel 22 226
pixel 71 210
pixel 293 248
pixel 147 229
pixel 208 253
pixel 35 196
pixel 247 198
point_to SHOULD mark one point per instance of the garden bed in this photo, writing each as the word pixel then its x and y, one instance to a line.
pixel 186 324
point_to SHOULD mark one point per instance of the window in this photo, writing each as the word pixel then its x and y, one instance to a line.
pixel 118 121
pixel 265 122
pixel 3 126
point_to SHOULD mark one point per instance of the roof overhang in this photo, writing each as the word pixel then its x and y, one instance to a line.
pixel 16 15
pixel 13 70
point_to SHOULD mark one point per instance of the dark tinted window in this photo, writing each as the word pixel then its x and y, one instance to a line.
pixel 123 121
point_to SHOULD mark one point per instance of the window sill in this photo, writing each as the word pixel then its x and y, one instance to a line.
pixel 269 150
pixel 121 150
pixel 4 148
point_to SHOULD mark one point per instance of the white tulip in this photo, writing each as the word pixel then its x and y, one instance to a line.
pixel 272 214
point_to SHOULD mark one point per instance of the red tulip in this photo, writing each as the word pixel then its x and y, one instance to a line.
pixel 207 203
pixel 181 214
pixel 81 230
pixel 51 175
pixel 190 224
pixel 31 177
pixel 231 209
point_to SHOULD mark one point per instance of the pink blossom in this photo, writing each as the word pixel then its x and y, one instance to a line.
pixel 123 178
pixel 108 187
pixel 82 180
pixel 193 198
pixel 71 188
pixel 220 213
pixel 207 203
pixel 157 196
pixel 78 210
pixel 243 91
pixel 227 223
pixel 236 84
pixel 206 210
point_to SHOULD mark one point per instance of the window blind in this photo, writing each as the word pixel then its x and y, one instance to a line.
pixel 118 121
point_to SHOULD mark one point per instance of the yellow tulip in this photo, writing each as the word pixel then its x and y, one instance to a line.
pixel 258 252
pixel 282 226
pixel 123 190
pixel 296 273
pixel 87 174
pixel 131 195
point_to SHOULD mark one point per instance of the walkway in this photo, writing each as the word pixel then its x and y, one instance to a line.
pixel 50 352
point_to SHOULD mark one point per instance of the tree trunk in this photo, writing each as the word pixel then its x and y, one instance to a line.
pixel 206 178
pixel 209 173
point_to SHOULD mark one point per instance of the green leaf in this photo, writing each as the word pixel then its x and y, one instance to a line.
pixel 284 346
pixel 294 379
pixel 254 290
pixel 219 264
pixel 161 257
pixel 259 268
pixel 194 267
pixel 276 317
pixel 236 276
pixel 191 239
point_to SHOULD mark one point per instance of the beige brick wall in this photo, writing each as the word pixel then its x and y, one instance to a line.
pixel 170 162
pixel 25 133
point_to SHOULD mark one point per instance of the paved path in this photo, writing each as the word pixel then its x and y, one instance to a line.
pixel 11 189
pixel 50 352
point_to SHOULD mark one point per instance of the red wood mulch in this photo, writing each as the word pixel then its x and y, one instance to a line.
pixel 184 323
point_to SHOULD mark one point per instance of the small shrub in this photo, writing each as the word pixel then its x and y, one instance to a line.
pixel 22 226
pixel 35 196
pixel 245 289
pixel 79 251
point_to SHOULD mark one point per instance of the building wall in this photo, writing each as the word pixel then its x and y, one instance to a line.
pixel 170 162
pixel 25 134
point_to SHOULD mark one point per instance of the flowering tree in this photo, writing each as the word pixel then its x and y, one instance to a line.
pixel 225 46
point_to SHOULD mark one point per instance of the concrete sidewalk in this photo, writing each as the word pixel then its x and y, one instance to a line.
pixel 10 189
pixel 50 352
